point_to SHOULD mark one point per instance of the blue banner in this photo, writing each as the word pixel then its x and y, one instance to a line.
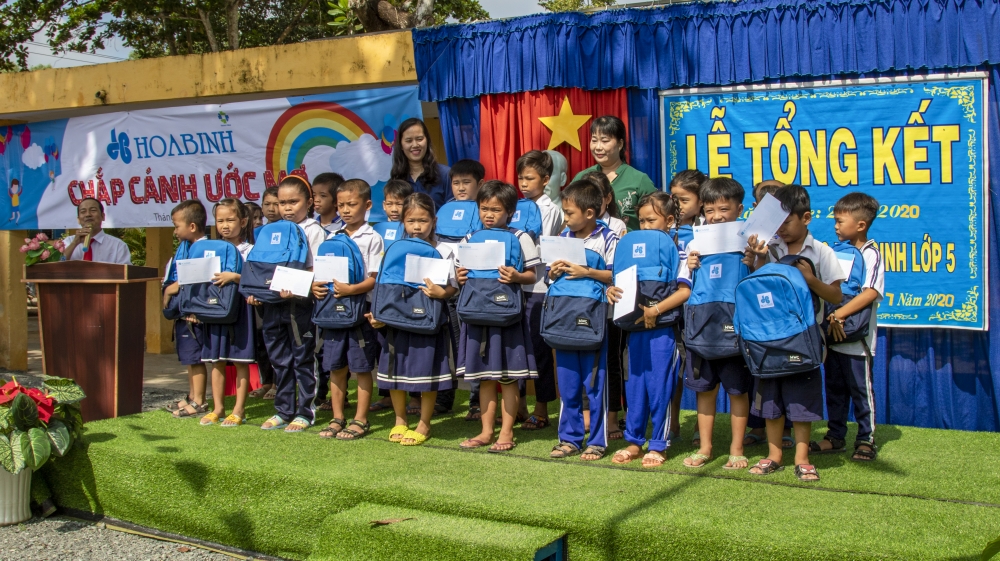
pixel 918 146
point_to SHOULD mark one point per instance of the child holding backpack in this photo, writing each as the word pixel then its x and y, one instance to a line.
pixel 848 365
pixel 287 327
pixel 664 284
pixel 495 344
pixel 415 358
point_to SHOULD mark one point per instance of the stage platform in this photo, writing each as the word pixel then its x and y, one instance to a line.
pixel 932 494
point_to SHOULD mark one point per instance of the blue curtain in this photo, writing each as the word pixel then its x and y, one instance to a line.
pixel 460 128
pixel 927 377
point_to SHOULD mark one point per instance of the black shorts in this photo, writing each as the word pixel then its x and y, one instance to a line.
pixel 731 372
pixel 799 397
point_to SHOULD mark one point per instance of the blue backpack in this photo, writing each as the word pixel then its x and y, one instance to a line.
pixel 857 324
pixel 683 235
pixel 655 255
pixel 484 300
pixel 457 219
pixel 173 309
pixel 281 243
pixel 390 232
pixel 709 331
pixel 527 218
pixel 400 304
pixel 575 311
pixel 775 320
pixel 346 312
pixel 206 301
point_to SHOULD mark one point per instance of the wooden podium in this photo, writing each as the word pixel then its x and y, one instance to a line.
pixel 92 322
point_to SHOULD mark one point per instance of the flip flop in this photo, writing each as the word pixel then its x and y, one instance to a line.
pixel 271 393
pixel 259 393
pixel 615 434
pixel 413 410
pixel 413 438
pixel 474 414
pixel 754 439
pixel 732 460
pixel 274 423
pixel 538 423
pixel 502 447
pixel 692 460
pixel 233 420
pixel 298 424
pixel 657 459
pixel 472 444
pixel 378 406
pixel 623 457
pixel 787 442
pixel 209 419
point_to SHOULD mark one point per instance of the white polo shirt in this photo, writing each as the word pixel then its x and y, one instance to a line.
pixel 828 268
pixel 104 248
pixel 874 279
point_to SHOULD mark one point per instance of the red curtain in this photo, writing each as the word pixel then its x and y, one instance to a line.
pixel 509 126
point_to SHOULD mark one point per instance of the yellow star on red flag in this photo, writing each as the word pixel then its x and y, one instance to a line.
pixel 565 126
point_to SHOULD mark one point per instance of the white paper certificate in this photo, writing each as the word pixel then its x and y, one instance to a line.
pixel 569 249
pixel 328 268
pixel 765 219
pixel 846 264
pixel 481 256
pixel 710 239
pixel 628 282
pixel 194 271
pixel 419 268
pixel 297 282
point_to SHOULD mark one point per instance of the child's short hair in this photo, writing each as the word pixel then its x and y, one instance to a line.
pixel 503 192
pixel 861 206
pixel 794 199
pixel 419 200
pixel 663 203
pixel 768 186
pixel 193 212
pixel 330 180
pixel 690 180
pixel 360 187
pixel 467 167
pixel 602 182
pixel 271 192
pixel 397 189
pixel 536 159
pixel 85 199
pixel 721 188
pixel 585 195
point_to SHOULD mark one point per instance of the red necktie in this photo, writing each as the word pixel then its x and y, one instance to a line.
pixel 89 254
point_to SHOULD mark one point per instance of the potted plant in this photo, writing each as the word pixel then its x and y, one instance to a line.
pixel 41 250
pixel 35 424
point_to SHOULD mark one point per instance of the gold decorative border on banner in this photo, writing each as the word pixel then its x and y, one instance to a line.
pixel 969 312
pixel 965 95
pixel 679 108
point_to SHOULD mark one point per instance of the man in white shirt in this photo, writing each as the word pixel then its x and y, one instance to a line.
pixel 103 247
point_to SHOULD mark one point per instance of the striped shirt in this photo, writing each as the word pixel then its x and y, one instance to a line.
pixel 602 240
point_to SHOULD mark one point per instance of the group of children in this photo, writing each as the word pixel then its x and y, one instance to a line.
pixel 490 331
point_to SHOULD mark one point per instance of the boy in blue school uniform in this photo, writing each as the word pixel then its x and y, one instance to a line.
pixel 574 369
pixel 848 366
pixel 325 206
pixel 798 396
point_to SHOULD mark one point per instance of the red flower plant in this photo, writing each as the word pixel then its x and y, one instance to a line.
pixel 44 403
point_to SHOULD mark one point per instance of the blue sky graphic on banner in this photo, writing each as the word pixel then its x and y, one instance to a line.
pixel 917 146
pixel 141 164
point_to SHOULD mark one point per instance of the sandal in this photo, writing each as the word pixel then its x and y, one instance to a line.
pixel 754 439
pixel 864 451
pixel 209 419
pixel 271 393
pixel 298 424
pixel 397 433
pixel 234 420
pixel 413 410
pixel 615 434
pixel 733 460
pixel 259 393
pixel 696 439
pixel 766 467
pixel 440 410
pixel 696 460
pixel 274 423
pixel 190 410
pixel 593 450
pixel 836 446
pixel 623 456
pixel 806 472
pixel 535 422
pixel 329 431
pixel 564 450
pixel 325 406
pixel 653 459
pixel 501 447
pixel 519 418
pixel 351 434
pixel 379 406
pixel 473 415
pixel 472 444
pixel 413 438
pixel 787 442
pixel 179 405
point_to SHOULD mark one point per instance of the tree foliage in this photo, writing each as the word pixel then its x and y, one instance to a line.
pixel 574 5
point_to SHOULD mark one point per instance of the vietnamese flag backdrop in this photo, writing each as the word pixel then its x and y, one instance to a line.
pixel 509 126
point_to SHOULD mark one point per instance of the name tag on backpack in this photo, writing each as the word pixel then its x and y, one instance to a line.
pixel 500 298
pixel 583 321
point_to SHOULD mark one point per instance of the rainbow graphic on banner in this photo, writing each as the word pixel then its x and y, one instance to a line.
pixel 307 125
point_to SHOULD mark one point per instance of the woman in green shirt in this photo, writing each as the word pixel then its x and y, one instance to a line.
pixel 607 145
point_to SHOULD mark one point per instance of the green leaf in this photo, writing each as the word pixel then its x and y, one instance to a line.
pixel 24 411
pixel 6 419
pixel 39 447
pixel 63 390
pixel 6 455
pixel 59 435
pixel 19 447
pixel 991 550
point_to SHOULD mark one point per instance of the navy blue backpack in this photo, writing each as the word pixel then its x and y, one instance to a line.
pixel 708 317
pixel 575 311
pixel 400 304
pixel 348 311
pixel 206 301
pixel 527 218
pixel 857 324
pixel 655 255
pixel 457 219
pixel 173 309
pixel 484 300
pixel 281 243
pixel 390 231
pixel 775 320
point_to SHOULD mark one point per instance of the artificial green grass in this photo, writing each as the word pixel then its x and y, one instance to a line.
pixel 417 535
pixel 931 494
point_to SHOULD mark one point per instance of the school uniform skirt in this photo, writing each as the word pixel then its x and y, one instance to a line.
pixel 503 354
pixel 414 362
pixel 233 342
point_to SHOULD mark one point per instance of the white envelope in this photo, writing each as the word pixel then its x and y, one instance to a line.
pixel 194 271
pixel 846 265
pixel 481 256
pixel 765 219
pixel 327 268
pixel 419 268
pixel 710 239
pixel 626 280
pixel 569 249
pixel 297 282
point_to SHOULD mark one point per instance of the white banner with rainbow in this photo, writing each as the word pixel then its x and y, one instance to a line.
pixel 141 164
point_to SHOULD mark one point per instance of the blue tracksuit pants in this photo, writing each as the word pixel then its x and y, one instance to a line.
pixel 576 374
pixel 292 357
pixel 653 365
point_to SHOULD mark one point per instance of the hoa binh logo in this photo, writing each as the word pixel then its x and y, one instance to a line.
pixel 516 217
pixel 119 146
pixel 223 118
pixel 390 234
pixel 458 214
pixel 765 300
pixel 639 251
pixel 276 238
pixel 715 271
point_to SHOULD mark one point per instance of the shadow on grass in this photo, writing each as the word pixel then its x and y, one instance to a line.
pixel 194 474
pixel 156 437
pixel 97 437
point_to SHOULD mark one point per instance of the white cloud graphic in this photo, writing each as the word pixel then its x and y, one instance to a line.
pixel 361 159
pixel 34 157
